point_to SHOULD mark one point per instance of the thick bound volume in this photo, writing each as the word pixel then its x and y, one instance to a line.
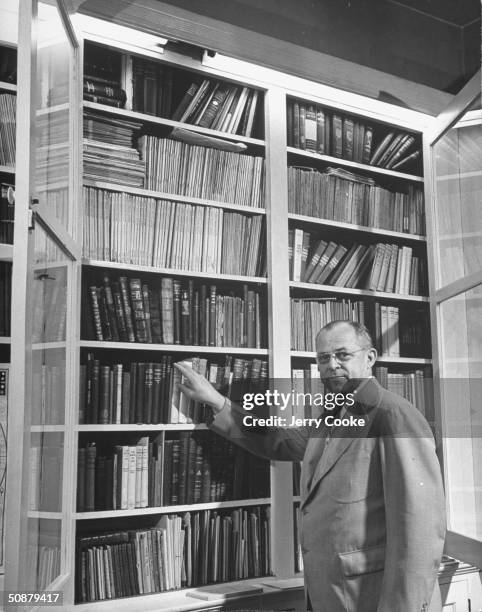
pixel 7 212
pixel 174 312
pixel 146 392
pixel 190 469
pixel 192 549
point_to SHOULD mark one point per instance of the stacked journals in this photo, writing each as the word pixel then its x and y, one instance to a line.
pixel 180 168
pixel 140 392
pixel 109 153
pixel 339 195
pixel 8 105
pixel 173 312
pixel 145 231
pixel 377 267
pixel 313 128
pixel 158 472
pixel 178 551
pixel 396 332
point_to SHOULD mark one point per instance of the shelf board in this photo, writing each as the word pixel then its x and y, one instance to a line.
pixel 45 346
pixel 5 339
pixel 8 86
pixel 129 114
pixel 358 228
pixel 107 514
pixel 6 252
pixel 52 109
pixel 170 272
pixel 43 514
pixel 380 358
pixel 7 170
pixel 171 348
pixel 47 429
pixel 142 427
pixel 457 176
pixel 338 161
pixel 362 292
pixel 160 195
pixel 176 600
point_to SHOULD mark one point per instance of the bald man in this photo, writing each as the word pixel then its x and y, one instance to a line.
pixel 372 502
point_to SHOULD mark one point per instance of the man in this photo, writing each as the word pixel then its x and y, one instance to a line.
pixel 372 503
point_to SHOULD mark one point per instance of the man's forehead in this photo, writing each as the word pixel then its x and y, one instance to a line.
pixel 335 338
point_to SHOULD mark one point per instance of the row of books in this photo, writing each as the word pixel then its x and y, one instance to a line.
pixel 7 212
pixel 43 565
pixel 103 91
pixel 376 267
pixel 8 122
pixel 311 127
pixel 203 172
pixel 49 303
pixel 140 392
pixel 5 297
pixel 152 85
pixel 193 549
pixel 340 195
pixel 48 401
pixel 45 477
pixel 395 331
pixel 110 130
pixel 140 230
pixel 219 106
pixel 174 312
pixel 153 473
pixel 416 386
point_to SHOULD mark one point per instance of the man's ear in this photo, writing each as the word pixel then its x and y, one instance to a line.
pixel 372 355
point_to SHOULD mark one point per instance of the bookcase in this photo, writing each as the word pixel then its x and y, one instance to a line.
pixel 194 229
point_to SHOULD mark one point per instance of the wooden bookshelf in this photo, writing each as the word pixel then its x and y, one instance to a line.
pixel 276 292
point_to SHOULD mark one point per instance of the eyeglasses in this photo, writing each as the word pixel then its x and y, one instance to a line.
pixel 340 356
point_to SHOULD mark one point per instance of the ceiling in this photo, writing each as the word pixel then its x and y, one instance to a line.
pixel 431 42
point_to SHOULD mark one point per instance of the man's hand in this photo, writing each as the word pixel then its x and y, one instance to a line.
pixel 197 388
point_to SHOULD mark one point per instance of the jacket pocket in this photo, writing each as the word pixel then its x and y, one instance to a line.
pixel 363 561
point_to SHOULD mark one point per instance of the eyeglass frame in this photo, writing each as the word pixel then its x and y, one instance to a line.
pixel 337 359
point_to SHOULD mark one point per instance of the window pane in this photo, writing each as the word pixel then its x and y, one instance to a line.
pixel 461 333
pixel 458 166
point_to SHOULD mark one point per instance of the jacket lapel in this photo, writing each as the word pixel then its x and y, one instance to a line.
pixel 338 443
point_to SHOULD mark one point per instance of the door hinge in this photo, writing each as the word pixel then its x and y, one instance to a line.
pixel 31 219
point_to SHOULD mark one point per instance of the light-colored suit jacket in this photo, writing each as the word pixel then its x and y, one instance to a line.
pixel 372 505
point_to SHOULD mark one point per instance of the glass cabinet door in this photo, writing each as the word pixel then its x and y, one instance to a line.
pixel 456 240
pixel 44 334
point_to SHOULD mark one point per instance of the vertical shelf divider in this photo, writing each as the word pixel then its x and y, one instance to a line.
pixel 282 524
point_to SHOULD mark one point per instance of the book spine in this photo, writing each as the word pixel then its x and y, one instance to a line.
pixel 127 308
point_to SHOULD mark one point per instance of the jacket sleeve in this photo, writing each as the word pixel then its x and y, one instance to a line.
pixel 415 511
pixel 278 443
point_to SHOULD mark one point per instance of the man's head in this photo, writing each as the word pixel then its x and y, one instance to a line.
pixel 344 353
